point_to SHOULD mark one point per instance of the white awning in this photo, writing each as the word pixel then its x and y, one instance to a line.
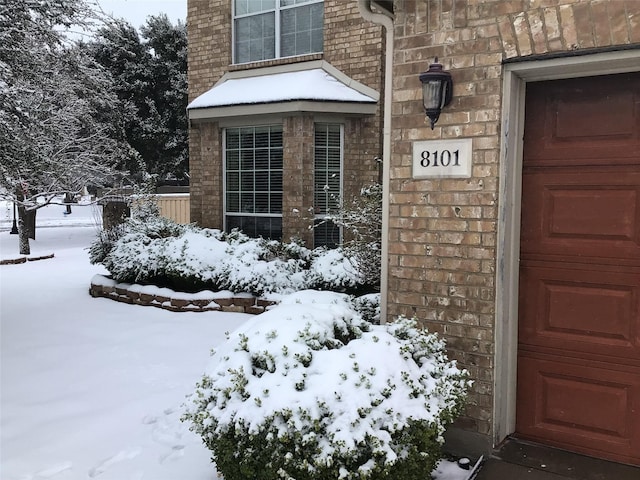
pixel 319 89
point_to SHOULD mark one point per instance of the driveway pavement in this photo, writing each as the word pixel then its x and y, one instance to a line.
pixel 517 460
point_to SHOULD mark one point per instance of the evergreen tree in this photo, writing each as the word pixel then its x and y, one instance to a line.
pixel 167 45
pixel 150 70
pixel 118 49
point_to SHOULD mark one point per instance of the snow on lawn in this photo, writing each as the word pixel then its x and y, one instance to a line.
pixel 82 215
pixel 92 388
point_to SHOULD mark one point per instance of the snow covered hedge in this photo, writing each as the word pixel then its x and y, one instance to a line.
pixel 310 391
pixel 155 250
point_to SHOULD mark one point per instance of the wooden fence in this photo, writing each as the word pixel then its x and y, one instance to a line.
pixel 174 206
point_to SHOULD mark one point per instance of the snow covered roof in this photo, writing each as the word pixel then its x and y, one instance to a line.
pixel 312 86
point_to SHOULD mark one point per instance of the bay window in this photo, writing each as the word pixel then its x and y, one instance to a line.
pixel 253 180
pixel 327 175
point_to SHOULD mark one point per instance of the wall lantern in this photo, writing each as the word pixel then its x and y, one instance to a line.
pixel 437 90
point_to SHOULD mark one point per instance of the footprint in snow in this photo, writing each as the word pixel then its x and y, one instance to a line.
pixel 177 451
pixel 117 458
pixel 53 470
pixel 149 419
pixel 165 433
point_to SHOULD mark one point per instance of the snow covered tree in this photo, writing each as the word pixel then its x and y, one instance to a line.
pixel 59 125
pixel 167 45
pixel 117 48
pixel 150 70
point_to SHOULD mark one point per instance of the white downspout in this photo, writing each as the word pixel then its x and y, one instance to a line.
pixel 387 22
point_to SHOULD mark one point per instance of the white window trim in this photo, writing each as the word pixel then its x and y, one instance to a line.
pixel 278 9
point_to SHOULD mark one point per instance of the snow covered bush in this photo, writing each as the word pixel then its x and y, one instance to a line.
pixel 310 391
pixel 150 249
pixel 331 269
pixel 361 221
pixel 129 250
pixel 145 220
pixel 104 243
pixel 368 306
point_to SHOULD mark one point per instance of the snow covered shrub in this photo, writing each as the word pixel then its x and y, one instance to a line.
pixel 155 226
pixel 143 208
pixel 331 269
pixel 261 266
pixel 145 205
pixel 368 306
pixel 361 222
pixel 130 250
pixel 310 391
pixel 294 250
pixel 189 258
pixel 150 249
pixel 104 242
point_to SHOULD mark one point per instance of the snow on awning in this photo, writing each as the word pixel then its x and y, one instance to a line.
pixel 271 90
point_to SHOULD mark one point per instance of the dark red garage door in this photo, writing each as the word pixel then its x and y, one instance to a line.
pixel 579 318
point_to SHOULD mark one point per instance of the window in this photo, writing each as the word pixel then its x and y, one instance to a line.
pixel 266 29
pixel 253 180
pixel 327 181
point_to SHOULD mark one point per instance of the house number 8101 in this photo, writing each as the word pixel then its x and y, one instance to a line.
pixel 430 159
pixel 448 158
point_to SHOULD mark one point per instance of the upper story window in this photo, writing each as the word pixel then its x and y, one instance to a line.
pixel 267 29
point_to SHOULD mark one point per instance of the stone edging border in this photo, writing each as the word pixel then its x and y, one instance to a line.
pixel 16 261
pixel 122 292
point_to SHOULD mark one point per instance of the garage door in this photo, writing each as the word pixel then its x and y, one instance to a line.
pixel 579 300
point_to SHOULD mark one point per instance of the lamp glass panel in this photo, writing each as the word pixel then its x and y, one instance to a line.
pixel 432 94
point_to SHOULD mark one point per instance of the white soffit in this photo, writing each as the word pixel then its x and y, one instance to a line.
pixel 319 88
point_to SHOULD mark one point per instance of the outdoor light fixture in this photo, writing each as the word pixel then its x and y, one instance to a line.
pixel 437 89
pixel 14 227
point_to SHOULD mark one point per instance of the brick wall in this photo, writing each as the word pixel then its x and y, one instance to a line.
pixel 205 171
pixel 351 44
pixel 297 136
pixel 209 54
pixel 443 231
pixel 211 178
pixel 195 176
pixel 209 49
pixel 355 47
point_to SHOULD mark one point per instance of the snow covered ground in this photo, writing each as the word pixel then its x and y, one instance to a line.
pixel 92 388
pixel 85 215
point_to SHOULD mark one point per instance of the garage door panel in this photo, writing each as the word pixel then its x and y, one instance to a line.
pixel 581 124
pixel 581 310
pixel 603 118
pixel 592 213
pixel 579 294
pixel 603 419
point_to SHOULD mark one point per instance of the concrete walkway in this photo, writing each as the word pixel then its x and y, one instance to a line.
pixel 517 460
